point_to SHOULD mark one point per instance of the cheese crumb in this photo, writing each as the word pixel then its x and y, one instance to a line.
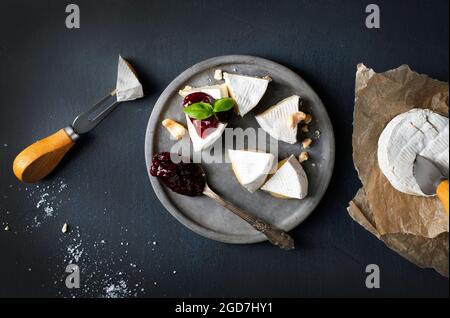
pixel 317 133
pixel 65 228
pixel 307 143
pixel 218 75
pixel 182 91
pixel 7 228
pixel 295 118
pixel 175 129
pixel 308 119
pixel 305 128
pixel 303 157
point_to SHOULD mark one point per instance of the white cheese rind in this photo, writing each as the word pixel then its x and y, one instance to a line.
pixel 417 132
pixel 245 90
pixel 289 181
pixel 128 86
pixel 251 168
pixel 275 120
pixel 215 91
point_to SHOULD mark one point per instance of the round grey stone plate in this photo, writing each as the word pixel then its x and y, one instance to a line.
pixel 201 214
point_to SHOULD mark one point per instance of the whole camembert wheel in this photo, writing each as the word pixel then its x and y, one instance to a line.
pixel 417 132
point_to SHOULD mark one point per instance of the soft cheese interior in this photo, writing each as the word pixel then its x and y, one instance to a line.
pixel 199 143
pixel 290 180
pixel 275 120
pixel 419 131
pixel 251 168
pixel 245 90
pixel 128 86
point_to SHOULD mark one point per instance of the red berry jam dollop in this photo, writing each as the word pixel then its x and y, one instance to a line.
pixel 198 98
pixel 183 178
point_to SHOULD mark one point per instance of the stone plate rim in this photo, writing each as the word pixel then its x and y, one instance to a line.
pixel 154 124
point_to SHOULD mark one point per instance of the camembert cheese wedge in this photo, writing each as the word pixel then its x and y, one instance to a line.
pixel 251 168
pixel 275 120
pixel 247 91
pixel 216 92
pixel 289 181
pixel 128 86
pixel 199 143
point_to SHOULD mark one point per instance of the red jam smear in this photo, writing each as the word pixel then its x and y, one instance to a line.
pixel 206 126
pixel 183 178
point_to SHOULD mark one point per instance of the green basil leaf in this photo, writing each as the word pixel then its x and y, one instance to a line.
pixel 199 111
pixel 223 104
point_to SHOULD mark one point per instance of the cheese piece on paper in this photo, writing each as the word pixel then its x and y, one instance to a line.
pixel 416 132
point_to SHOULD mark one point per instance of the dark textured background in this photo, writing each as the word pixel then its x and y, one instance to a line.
pixel 48 74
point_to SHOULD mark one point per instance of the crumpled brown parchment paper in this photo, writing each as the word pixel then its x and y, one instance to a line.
pixel 415 227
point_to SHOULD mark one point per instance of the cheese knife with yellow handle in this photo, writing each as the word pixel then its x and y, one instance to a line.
pixel 431 180
pixel 37 160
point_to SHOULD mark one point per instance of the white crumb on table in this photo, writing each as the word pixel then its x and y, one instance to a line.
pixel 47 199
pixel 118 290
pixel 48 211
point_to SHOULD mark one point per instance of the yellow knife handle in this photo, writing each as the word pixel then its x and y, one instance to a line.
pixel 39 159
pixel 442 192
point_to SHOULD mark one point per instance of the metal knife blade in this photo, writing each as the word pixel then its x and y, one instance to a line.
pixel 88 120
pixel 427 174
